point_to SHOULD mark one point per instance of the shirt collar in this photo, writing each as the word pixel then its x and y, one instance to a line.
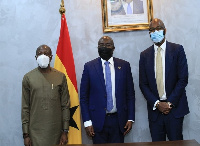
pixel 110 60
pixel 163 46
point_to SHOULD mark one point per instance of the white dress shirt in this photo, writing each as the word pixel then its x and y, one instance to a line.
pixel 163 53
pixel 112 71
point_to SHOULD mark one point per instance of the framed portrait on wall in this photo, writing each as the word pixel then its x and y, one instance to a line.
pixel 126 15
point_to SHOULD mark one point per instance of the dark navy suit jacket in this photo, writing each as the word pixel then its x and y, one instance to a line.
pixel 93 97
pixel 176 79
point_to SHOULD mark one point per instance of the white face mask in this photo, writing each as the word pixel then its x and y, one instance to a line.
pixel 43 61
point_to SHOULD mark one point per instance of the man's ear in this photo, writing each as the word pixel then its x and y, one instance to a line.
pixel 51 57
pixel 164 32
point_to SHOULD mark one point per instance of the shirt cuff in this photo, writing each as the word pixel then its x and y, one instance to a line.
pixel 87 123
pixel 131 121
pixel 154 107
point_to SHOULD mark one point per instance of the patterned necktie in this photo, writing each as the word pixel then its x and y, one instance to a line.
pixel 159 73
pixel 129 10
pixel 108 87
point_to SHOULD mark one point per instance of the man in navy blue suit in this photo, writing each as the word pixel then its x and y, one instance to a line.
pixel 163 76
pixel 107 96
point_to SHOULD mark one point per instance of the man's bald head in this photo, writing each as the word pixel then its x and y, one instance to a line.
pixel 106 47
pixel 157 22
pixel 43 47
pixel 106 39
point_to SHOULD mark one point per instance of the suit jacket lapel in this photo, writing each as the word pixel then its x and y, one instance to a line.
pixel 150 62
pixel 168 60
pixel 118 69
pixel 99 69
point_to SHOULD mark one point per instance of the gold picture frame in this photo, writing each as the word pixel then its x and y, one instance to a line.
pixel 118 16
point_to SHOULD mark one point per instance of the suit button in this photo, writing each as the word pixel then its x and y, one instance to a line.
pixel 105 109
pixel 105 95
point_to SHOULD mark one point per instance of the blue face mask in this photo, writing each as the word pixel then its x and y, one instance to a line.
pixel 157 36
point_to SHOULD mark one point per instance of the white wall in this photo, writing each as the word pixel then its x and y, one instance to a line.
pixel 26 24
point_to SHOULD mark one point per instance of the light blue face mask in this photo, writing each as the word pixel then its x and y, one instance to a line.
pixel 157 36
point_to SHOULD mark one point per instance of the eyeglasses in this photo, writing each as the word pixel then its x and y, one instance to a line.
pixel 152 29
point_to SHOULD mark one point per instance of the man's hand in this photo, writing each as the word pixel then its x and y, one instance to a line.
pixel 164 107
pixel 27 141
pixel 63 139
pixel 128 127
pixel 90 131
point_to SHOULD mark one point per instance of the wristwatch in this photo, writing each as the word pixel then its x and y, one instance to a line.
pixel 65 130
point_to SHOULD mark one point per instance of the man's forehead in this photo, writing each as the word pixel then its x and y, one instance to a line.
pixel 44 49
pixel 105 40
pixel 156 22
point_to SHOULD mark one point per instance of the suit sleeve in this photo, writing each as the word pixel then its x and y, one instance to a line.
pixel 182 75
pixel 65 103
pixel 130 95
pixel 25 111
pixel 84 94
pixel 144 83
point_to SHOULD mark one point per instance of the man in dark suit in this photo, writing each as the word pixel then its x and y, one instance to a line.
pixel 163 76
pixel 107 96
